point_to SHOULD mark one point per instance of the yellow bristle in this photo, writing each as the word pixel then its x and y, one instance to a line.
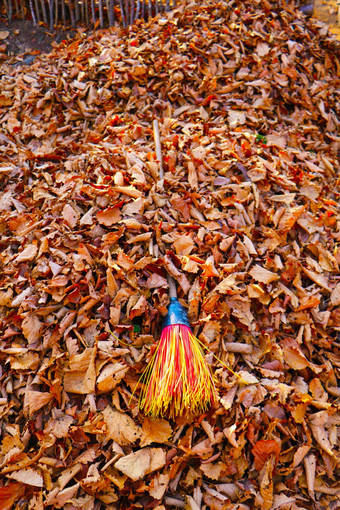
pixel 177 380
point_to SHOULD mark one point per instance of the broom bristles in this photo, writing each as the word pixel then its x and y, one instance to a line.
pixel 177 381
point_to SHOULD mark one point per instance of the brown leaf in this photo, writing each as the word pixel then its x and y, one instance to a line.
pixel 109 216
pixel 27 254
pixel 37 400
pixel 260 274
pixel 110 376
pixel 138 464
pixel 159 485
pixel 319 279
pixel 32 328
pixel 120 427
pixel 293 355
pixel 28 476
pixel 70 215
pixel 81 376
pixel 266 484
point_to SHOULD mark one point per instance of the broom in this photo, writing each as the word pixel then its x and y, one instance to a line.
pixel 177 381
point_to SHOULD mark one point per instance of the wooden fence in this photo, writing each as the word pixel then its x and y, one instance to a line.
pixel 86 12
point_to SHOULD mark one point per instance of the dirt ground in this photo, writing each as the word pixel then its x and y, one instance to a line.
pixel 22 38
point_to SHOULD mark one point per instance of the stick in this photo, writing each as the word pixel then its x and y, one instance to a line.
pixel 34 19
pixel 158 148
pixel 93 13
pixel 44 12
pixel 157 138
pixel 101 19
pixel 77 11
pixel 132 13
pixel 86 12
pixel 63 11
pixel 51 14
pixel 111 13
pixel 138 9
pixel 37 10
pixel 70 9
pixel 56 14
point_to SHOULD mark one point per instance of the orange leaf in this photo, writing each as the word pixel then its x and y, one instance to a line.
pixel 263 450
pixel 9 494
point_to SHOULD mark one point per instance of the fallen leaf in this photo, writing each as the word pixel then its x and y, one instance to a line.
pixel 28 476
pixel 260 274
pixel 9 494
pixel 264 449
pixel 27 254
pixel 155 431
pixel 37 400
pixel 120 427
pixel 138 464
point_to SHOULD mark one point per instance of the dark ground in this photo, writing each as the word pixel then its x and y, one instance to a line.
pixel 23 38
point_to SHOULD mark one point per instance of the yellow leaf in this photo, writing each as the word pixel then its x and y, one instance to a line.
pixel 155 431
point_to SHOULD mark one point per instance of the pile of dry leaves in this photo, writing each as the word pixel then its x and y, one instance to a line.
pixel 246 221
